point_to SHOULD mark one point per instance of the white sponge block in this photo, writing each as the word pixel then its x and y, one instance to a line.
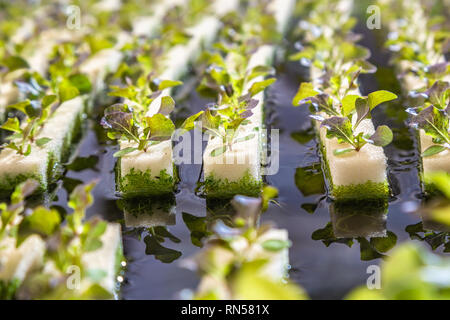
pixel 16 263
pixel 105 257
pixel 61 124
pixel 13 164
pixel 157 158
pixel 156 216
pixel 100 64
pixel 368 164
pixel 437 162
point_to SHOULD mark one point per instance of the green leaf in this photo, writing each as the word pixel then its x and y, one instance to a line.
pixel 432 150
pixel 306 90
pixel 42 141
pixel 250 284
pixel 340 128
pixel 198 228
pixel 437 93
pixel 164 84
pixel 382 136
pixel 189 123
pixel 163 254
pixel 118 118
pixel 123 152
pixel 167 105
pixel 162 232
pixel 351 51
pixel 362 107
pixel 268 193
pixel 384 244
pixel 209 121
pixel 97 43
pixel 380 96
pixel 327 236
pixel 14 63
pixel 67 91
pixel 309 180
pixel 21 106
pixel 12 124
pixel 260 86
pixel 161 127
pixel 48 100
pixel 440 180
pixel 348 104
pixel 42 220
pixel 367 251
pixel 81 82
pixel 260 71
pixel 127 92
pixel 275 245
pixel 435 122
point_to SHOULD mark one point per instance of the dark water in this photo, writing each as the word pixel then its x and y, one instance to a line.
pixel 327 262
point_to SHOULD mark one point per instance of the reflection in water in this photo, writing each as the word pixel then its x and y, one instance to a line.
pixel 148 212
pixel 310 180
pixel 151 217
pixel 434 238
pixel 240 259
pixel 434 228
pixel 361 222
pixel 353 221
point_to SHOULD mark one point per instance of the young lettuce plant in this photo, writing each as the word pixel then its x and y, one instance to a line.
pixel 42 98
pixel 433 117
pixel 344 118
pixel 130 122
pixel 66 245
pixel 226 79
pixel 10 215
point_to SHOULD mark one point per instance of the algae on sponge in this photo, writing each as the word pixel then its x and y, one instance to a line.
pixel 138 183
pixel 358 192
pixel 223 188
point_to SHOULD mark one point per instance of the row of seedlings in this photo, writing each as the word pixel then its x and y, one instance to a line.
pixel 236 76
pixel 54 106
pixel 419 39
pixel 31 44
pixel 352 150
pixel 42 258
pixel 38 253
pixel 141 122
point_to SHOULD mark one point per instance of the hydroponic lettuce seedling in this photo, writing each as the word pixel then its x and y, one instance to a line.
pixel 43 96
pixel 345 117
pixel 131 122
pixel 61 247
pixel 227 80
pixel 433 117
pixel 42 99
